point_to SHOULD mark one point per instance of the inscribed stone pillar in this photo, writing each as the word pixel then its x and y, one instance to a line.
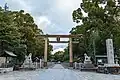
pixel 110 51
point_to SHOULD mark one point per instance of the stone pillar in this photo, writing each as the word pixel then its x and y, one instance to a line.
pixel 36 65
pixel 75 65
pixel 110 51
pixel 40 63
pixel 70 52
pixel 45 52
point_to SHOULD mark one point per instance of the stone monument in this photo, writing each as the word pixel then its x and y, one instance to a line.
pixel 111 66
pixel 110 53
pixel 28 64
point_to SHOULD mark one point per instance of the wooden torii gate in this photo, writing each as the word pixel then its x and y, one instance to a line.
pixel 58 41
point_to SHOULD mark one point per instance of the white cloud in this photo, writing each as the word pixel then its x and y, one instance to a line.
pixel 19 4
pixel 42 22
pixel 52 16
pixel 64 9
pixel 67 5
pixel 44 19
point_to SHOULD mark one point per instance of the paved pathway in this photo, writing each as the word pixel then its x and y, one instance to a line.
pixel 57 73
pixel 58 66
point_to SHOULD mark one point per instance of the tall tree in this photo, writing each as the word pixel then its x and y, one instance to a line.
pixel 18 34
pixel 100 23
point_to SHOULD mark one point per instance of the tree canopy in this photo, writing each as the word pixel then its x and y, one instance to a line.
pixel 18 34
pixel 58 56
pixel 101 22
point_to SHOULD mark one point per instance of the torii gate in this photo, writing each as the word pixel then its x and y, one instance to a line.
pixel 58 41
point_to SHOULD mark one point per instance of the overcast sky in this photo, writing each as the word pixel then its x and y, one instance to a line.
pixel 52 16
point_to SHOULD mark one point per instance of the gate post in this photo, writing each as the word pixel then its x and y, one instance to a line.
pixel 70 53
pixel 45 52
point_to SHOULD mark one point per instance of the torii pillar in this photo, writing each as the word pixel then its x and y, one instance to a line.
pixel 45 52
pixel 70 52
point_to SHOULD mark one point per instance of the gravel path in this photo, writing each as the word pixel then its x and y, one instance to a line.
pixel 57 73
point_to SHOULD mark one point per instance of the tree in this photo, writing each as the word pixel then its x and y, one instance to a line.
pixel 18 34
pixel 66 54
pixel 100 23
pixel 58 56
